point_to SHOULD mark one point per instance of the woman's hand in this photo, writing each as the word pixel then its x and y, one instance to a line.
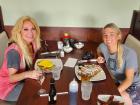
pixel 14 77
pixel 34 74
pixel 100 59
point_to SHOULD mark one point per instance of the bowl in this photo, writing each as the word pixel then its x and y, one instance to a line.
pixel 79 45
pixel 67 49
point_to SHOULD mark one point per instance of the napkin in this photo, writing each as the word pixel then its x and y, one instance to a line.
pixel 110 100
pixel 70 62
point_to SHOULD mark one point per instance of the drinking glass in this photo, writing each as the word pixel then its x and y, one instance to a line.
pixel 40 81
pixel 86 89
pixel 60 45
pixel 56 72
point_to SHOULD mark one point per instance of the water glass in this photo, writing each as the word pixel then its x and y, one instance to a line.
pixel 56 72
pixel 40 81
pixel 86 89
pixel 60 45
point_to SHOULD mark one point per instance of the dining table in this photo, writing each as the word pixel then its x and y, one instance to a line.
pixel 29 94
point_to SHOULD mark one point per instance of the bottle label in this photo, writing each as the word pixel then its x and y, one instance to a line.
pixel 49 99
pixel 52 99
pixel 55 97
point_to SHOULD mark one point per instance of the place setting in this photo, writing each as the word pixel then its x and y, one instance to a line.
pixel 88 71
pixel 47 66
pixel 50 65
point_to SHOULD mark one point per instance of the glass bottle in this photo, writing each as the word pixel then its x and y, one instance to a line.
pixel 52 92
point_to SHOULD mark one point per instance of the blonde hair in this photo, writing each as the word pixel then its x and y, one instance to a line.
pixel 17 38
pixel 119 47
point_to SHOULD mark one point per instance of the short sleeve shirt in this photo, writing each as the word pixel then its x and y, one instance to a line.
pixel 13 59
pixel 129 61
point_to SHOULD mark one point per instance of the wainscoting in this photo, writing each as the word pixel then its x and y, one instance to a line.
pixel 78 33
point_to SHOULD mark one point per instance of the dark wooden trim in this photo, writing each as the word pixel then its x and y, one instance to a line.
pixel 78 33
pixel 135 24
pixel 1 21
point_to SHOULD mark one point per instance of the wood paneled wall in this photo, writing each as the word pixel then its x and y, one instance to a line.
pixel 81 34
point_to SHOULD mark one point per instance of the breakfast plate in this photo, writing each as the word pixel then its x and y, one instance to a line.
pixel 48 64
pixel 110 100
pixel 90 72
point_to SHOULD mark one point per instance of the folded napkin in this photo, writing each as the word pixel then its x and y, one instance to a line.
pixel 70 62
pixel 110 100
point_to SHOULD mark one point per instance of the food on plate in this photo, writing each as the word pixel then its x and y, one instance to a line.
pixel 88 71
pixel 45 64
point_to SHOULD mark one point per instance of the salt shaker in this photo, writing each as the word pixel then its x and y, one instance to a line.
pixel 73 89
pixel 62 54
pixel 60 45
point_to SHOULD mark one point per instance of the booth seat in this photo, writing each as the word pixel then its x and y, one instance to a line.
pixel 134 43
pixel 3 44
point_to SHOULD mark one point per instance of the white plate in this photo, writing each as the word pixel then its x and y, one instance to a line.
pixel 57 62
pixel 98 77
pixel 106 97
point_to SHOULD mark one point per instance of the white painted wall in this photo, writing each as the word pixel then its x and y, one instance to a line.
pixel 71 13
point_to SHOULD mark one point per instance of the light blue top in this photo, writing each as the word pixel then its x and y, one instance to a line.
pixel 129 61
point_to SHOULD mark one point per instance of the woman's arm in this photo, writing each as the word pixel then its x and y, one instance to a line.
pixel 13 64
pixel 100 58
pixel 99 53
pixel 128 81
pixel 15 77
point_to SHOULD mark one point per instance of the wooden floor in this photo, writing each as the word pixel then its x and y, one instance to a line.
pixel 7 103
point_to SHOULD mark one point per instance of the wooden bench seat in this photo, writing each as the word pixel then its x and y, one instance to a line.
pixel 7 103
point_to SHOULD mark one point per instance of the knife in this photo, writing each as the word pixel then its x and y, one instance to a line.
pixel 53 52
pixel 60 93
pixel 84 61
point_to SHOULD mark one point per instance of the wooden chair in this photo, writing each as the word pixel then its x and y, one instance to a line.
pixel 7 103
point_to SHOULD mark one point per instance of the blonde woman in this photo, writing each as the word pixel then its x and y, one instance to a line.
pixel 122 62
pixel 25 41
